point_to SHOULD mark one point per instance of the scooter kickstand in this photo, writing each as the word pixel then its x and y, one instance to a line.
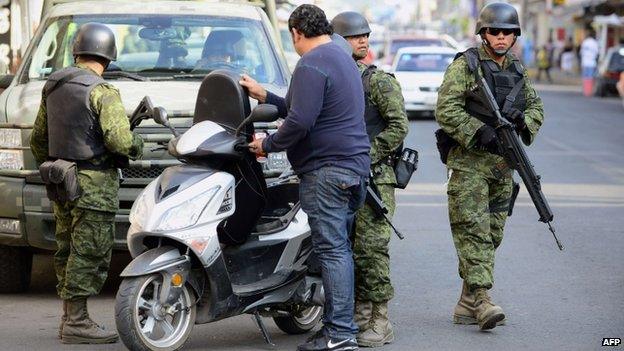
pixel 265 333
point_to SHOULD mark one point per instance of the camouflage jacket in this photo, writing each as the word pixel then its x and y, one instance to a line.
pixel 462 127
pixel 99 188
pixel 386 95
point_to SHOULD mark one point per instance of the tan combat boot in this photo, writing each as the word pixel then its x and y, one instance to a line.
pixel 379 330
pixel 80 329
pixel 63 319
pixel 464 312
pixel 488 314
pixel 362 315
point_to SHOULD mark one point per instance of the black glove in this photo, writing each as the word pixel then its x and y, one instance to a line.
pixel 516 117
pixel 487 139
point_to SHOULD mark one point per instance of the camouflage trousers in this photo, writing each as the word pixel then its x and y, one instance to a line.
pixel 370 251
pixel 84 241
pixel 477 207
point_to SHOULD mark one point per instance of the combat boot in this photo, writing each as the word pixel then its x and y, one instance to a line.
pixel 488 314
pixel 80 329
pixel 63 319
pixel 464 312
pixel 379 330
pixel 362 316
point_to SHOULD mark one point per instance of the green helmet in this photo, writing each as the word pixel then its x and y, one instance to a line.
pixel 350 23
pixel 498 15
pixel 95 39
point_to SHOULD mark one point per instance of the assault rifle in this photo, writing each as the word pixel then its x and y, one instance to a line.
pixel 374 201
pixel 517 159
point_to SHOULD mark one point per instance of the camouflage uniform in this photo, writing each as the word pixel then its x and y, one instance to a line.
pixel 372 235
pixel 480 184
pixel 85 227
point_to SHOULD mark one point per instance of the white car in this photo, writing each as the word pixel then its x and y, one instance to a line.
pixel 420 71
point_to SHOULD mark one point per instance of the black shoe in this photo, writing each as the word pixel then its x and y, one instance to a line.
pixel 322 342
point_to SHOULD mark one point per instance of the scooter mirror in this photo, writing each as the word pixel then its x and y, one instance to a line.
pixel 263 113
pixel 160 116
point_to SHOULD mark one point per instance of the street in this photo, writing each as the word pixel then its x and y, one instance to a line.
pixel 553 300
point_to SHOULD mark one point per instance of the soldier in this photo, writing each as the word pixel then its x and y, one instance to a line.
pixel 386 126
pixel 82 119
pixel 480 181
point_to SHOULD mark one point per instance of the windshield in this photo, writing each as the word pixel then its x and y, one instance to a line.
pixel 424 62
pixel 164 47
pixel 403 43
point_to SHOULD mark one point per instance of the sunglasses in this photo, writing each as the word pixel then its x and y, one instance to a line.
pixel 497 31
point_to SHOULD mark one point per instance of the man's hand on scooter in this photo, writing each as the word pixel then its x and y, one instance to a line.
pixel 256 90
pixel 256 147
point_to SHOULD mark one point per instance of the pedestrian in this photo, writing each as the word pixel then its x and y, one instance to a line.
pixel 386 126
pixel 567 57
pixel 480 181
pixel 589 60
pixel 544 62
pixel 324 135
pixel 82 120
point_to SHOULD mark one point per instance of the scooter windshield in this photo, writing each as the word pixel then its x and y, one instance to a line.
pixel 223 100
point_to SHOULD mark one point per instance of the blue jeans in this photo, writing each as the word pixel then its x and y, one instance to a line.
pixel 330 196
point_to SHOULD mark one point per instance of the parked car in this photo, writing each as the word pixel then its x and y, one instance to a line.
pixel 420 71
pixel 608 72
pixel 172 43
pixel 398 42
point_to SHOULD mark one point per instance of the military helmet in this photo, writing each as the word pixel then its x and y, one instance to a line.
pixel 498 15
pixel 95 39
pixel 350 23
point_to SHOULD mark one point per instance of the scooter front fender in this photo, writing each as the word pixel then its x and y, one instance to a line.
pixel 162 258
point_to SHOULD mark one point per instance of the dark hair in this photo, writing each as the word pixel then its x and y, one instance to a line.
pixel 310 20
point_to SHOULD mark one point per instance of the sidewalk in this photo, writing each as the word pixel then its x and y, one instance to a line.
pixel 558 78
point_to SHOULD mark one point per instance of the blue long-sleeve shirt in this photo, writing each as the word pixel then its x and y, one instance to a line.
pixel 324 114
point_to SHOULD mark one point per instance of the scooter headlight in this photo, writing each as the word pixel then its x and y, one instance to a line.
pixel 139 210
pixel 187 213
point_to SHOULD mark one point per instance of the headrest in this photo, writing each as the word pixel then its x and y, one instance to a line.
pixel 221 42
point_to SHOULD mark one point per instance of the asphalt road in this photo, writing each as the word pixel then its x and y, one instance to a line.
pixel 553 300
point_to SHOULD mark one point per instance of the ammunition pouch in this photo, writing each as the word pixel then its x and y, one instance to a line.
pixel 444 143
pixel 405 166
pixel 61 180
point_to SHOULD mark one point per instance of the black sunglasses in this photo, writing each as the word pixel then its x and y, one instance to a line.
pixel 497 31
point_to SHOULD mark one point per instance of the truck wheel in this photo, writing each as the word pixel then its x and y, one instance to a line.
pixel 301 322
pixel 15 269
pixel 145 324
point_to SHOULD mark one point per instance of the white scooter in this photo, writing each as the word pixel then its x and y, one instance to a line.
pixel 182 273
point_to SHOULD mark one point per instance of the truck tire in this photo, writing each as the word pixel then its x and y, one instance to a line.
pixel 15 269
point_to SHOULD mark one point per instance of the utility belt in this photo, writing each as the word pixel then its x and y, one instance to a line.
pixel 61 177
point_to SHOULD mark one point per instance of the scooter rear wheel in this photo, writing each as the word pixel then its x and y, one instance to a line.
pixel 146 325
pixel 300 323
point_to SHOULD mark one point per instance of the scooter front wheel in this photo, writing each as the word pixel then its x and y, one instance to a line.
pixel 144 324
pixel 300 322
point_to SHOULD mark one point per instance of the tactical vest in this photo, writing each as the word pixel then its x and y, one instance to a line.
pixel 506 85
pixel 74 132
pixel 375 124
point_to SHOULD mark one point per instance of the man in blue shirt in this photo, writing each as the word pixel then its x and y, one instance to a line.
pixel 324 134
